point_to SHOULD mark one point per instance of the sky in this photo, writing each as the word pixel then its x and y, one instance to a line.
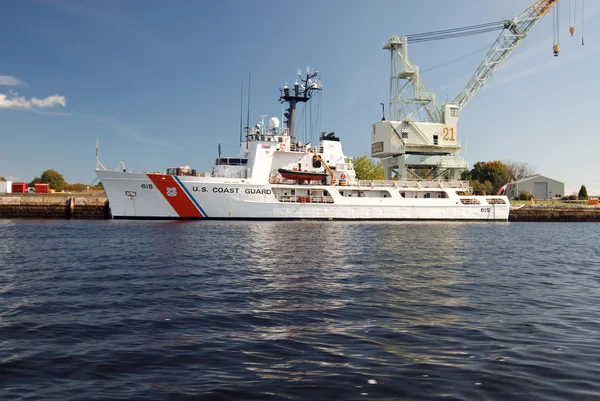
pixel 158 83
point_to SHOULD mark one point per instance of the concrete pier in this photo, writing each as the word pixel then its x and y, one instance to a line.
pixel 559 213
pixel 53 207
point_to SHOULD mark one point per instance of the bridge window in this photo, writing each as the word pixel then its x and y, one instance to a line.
pixel 230 161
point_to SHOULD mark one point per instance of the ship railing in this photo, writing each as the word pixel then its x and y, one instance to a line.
pixel 305 198
pixel 280 180
pixel 297 148
pixel 414 184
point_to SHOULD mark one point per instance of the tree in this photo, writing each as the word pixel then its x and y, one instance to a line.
pixel 518 170
pixel 52 177
pixel 482 188
pixel 36 180
pixel 2 179
pixel 582 192
pixel 494 172
pixel 367 169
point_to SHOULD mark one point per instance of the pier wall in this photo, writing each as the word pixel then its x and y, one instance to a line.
pixel 54 207
pixel 558 213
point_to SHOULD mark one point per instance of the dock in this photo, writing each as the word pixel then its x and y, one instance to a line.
pixel 19 206
pixel 555 213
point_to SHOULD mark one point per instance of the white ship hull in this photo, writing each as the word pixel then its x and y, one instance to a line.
pixel 158 196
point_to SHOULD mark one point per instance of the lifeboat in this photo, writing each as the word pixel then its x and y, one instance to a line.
pixel 301 175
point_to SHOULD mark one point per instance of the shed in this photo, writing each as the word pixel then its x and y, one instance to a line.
pixel 5 187
pixel 42 188
pixel 540 186
pixel 19 187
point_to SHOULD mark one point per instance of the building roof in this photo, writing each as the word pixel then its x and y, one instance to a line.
pixel 534 176
pixel 525 178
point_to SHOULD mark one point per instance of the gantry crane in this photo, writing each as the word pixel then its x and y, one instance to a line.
pixel 422 135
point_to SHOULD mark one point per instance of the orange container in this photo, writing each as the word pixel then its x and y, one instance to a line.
pixel 592 201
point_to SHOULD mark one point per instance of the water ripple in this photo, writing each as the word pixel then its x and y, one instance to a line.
pixel 117 310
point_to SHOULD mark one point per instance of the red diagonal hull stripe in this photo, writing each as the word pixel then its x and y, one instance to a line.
pixel 180 202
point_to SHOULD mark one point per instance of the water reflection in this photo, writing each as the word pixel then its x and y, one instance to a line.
pixel 335 282
pixel 305 310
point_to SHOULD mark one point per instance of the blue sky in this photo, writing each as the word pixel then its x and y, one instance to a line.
pixel 159 82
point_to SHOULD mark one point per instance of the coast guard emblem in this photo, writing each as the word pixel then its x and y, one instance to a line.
pixel 171 191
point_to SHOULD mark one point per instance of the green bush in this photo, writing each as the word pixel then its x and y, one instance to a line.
pixel 524 195
pixel 572 197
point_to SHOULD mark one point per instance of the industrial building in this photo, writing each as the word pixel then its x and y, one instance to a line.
pixel 540 186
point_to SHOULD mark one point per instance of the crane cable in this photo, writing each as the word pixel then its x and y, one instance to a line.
pixel 582 20
pixel 571 21
pixel 572 16
pixel 454 60
pixel 455 32
pixel 556 30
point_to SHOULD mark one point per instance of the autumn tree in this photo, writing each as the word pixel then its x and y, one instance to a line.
pixel 367 169
pixel 52 177
pixel 36 180
pixel 519 170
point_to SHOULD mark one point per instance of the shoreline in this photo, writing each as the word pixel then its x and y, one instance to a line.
pixel 96 207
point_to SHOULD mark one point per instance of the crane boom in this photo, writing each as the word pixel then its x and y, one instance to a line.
pixel 513 34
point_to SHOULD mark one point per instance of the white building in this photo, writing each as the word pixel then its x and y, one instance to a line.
pixel 5 187
pixel 540 186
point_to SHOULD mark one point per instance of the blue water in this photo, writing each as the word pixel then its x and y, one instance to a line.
pixel 119 310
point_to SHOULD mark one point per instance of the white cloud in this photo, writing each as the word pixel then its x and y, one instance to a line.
pixel 8 80
pixel 20 102
pixel 49 101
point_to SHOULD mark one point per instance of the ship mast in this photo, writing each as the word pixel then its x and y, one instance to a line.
pixel 300 93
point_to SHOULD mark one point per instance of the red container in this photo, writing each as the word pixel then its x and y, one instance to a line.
pixel 42 188
pixel 19 187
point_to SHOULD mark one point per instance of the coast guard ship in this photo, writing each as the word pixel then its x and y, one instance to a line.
pixel 274 176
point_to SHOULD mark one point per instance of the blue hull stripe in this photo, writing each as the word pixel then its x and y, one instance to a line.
pixel 190 196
